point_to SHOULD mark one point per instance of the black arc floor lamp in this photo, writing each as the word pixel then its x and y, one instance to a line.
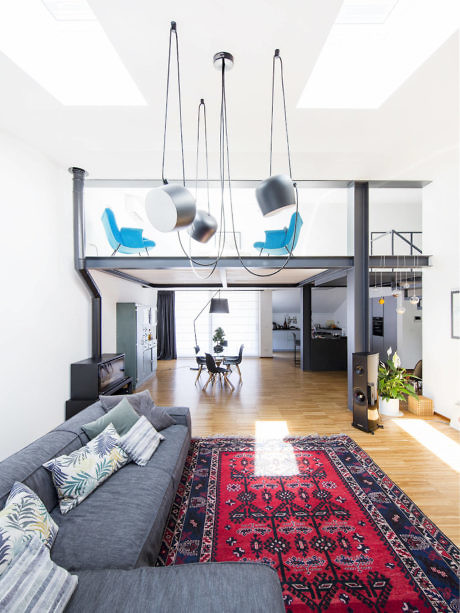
pixel 218 305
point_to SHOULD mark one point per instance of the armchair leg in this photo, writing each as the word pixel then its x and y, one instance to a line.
pixel 119 245
pixel 260 252
pixel 147 250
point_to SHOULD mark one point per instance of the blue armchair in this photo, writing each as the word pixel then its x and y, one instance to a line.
pixel 280 242
pixel 124 240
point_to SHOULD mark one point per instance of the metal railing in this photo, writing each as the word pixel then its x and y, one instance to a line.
pixel 399 234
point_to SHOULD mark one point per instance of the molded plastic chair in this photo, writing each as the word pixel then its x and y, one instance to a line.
pixel 215 371
pixel 280 242
pixel 124 240
pixel 200 360
pixel 235 360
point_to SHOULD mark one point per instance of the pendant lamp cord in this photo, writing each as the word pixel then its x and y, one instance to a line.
pixel 202 106
pixel 173 32
pixel 225 155
pixel 283 91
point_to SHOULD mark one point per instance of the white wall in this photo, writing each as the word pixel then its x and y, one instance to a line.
pixel 441 227
pixel 329 304
pixel 45 308
pixel 265 324
pixel 115 290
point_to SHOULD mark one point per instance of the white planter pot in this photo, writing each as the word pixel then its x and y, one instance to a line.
pixel 389 406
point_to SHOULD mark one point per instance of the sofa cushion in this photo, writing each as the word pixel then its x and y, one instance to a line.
pixel 122 417
pixel 80 473
pixel 12 537
pixel 75 423
pixel 171 454
pixel 26 465
pixel 141 441
pixel 33 583
pixel 227 587
pixel 119 525
pixel 181 415
pixel 143 404
pixel 31 514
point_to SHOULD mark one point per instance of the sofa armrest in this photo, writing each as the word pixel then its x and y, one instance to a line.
pixel 181 415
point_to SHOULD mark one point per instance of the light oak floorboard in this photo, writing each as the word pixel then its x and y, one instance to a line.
pixel 274 389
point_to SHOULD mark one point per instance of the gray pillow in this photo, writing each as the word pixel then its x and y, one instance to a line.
pixel 123 417
pixel 135 400
pixel 142 403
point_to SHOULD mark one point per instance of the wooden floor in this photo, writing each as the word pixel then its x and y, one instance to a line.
pixel 276 390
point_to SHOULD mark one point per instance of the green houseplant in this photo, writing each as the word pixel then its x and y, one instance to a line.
pixel 393 384
pixel 219 339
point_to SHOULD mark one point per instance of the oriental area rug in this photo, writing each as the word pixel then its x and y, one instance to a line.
pixel 340 534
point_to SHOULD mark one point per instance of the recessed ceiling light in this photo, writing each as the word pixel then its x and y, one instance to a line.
pixel 71 58
pixel 362 64
pixel 365 11
pixel 70 10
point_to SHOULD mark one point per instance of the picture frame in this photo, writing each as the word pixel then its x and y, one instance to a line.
pixel 455 313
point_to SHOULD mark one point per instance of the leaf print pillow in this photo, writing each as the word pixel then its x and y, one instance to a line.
pixel 76 475
pixel 12 539
pixel 31 514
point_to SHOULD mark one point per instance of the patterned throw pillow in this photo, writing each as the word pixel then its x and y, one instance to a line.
pixel 141 441
pixel 31 515
pixel 12 538
pixel 76 475
pixel 34 583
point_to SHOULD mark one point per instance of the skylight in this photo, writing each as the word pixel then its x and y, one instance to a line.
pixel 374 47
pixel 62 46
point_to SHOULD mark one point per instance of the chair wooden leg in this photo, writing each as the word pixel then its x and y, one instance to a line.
pixel 199 373
pixel 239 371
pixel 211 378
pixel 227 380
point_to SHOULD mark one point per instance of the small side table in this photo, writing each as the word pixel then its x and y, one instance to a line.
pixel 421 406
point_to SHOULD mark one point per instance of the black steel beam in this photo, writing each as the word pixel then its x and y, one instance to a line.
pixel 78 176
pixel 305 327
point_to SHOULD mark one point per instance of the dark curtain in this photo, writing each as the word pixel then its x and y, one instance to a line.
pixel 166 326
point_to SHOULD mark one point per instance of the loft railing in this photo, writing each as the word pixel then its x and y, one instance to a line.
pixel 406 236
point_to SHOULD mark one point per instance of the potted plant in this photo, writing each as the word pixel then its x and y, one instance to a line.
pixel 393 383
pixel 219 339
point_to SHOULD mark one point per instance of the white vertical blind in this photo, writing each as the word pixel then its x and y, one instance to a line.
pixel 241 325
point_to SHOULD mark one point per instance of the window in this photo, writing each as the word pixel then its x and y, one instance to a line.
pixel 241 325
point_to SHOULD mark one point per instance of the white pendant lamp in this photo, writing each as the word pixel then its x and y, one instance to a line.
pixel 204 225
pixel 278 191
pixel 171 206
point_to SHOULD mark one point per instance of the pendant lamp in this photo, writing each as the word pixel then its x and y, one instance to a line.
pixel 204 225
pixel 171 207
pixel 278 191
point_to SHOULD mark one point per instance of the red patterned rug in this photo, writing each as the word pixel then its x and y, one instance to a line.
pixel 341 535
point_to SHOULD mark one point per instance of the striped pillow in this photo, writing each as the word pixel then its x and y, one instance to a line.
pixel 31 514
pixel 141 441
pixel 34 583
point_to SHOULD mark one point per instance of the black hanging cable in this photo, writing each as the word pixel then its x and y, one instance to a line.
pixel 226 149
pixel 283 91
pixel 173 31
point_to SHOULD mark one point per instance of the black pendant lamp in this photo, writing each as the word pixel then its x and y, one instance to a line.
pixel 278 191
pixel 204 225
pixel 219 305
pixel 171 207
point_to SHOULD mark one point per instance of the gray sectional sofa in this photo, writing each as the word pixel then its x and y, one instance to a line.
pixel 112 539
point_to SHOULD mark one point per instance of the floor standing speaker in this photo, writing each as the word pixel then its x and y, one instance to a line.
pixel 365 377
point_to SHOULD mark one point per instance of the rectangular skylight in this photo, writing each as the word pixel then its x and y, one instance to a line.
pixel 63 47
pixel 364 62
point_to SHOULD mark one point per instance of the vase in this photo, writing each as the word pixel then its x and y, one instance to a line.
pixel 389 407
pixel 218 348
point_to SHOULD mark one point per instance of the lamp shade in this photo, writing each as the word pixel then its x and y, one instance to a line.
pixel 219 305
pixel 275 194
pixel 170 207
pixel 203 228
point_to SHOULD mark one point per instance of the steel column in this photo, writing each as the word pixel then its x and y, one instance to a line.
pixel 305 327
pixel 358 277
pixel 78 175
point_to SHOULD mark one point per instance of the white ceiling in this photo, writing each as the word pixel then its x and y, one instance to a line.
pixel 417 122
